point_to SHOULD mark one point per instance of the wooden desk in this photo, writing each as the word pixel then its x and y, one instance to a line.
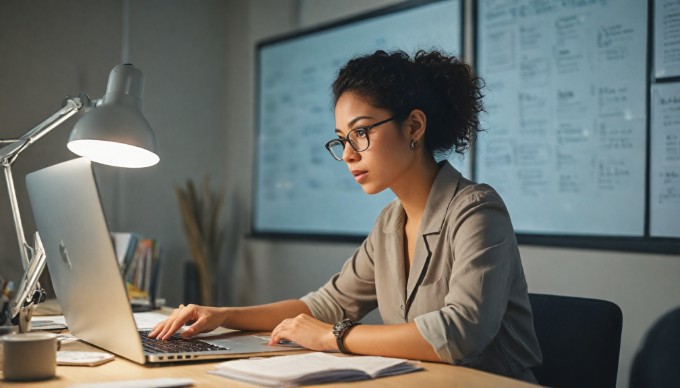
pixel 435 375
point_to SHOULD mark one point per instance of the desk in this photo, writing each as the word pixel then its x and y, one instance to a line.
pixel 435 375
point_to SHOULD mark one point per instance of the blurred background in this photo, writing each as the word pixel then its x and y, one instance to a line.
pixel 198 58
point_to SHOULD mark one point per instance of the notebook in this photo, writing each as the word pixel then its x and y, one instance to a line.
pixel 86 275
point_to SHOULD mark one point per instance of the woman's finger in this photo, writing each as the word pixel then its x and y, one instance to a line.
pixel 158 328
pixel 195 328
pixel 183 315
pixel 279 333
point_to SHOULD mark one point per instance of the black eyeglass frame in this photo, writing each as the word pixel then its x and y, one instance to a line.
pixel 345 140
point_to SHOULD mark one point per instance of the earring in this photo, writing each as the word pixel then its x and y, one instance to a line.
pixel 412 146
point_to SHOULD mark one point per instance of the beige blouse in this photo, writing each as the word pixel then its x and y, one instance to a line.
pixel 466 289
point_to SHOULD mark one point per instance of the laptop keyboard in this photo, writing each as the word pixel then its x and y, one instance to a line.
pixel 175 344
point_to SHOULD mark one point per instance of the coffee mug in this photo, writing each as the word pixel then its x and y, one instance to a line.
pixel 29 356
pixel 6 330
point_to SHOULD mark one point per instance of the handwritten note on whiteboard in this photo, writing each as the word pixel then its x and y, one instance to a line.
pixel 666 38
pixel 665 159
pixel 566 115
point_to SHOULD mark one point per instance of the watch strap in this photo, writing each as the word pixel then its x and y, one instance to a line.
pixel 340 329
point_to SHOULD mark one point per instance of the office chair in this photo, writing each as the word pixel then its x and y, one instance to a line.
pixel 656 363
pixel 580 339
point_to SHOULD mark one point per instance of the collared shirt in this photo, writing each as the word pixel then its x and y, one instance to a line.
pixel 465 290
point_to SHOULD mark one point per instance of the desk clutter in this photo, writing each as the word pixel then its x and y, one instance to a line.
pixel 80 358
pixel 143 383
pixel 312 368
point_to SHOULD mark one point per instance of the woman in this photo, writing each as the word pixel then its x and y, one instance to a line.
pixel 441 264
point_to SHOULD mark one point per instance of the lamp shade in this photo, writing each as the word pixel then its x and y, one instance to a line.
pixel 115 132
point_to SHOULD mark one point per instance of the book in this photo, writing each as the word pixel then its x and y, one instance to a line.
pixel 125 245
pixel 139 262
pixel 312 368
pixel 121 244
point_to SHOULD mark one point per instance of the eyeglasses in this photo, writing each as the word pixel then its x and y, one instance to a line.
pixel 357 138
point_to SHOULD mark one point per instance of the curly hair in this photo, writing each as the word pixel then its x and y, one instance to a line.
pixel 443 87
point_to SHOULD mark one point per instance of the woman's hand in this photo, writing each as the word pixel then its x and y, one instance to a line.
pixel 202 319
pixel 305 331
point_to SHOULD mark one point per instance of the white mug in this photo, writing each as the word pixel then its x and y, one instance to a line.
pixel 29 356
pixel 6 330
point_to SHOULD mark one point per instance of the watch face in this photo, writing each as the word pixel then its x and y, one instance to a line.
pixel 339 327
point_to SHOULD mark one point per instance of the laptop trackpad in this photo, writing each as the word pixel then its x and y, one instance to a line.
pixel 249 343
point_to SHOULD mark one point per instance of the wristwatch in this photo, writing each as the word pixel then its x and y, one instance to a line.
pixel 340 329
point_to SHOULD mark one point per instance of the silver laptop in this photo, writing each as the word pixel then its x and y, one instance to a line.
pixel 87 279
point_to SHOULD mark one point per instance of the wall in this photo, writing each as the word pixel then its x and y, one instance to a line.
pixel 198 59
pixel 47 51
pixel 180 45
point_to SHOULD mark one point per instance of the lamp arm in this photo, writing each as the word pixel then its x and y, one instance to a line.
pixel 71 106
pixel 29 292
pixel 18 226
pixel 8 155
pixel 33 260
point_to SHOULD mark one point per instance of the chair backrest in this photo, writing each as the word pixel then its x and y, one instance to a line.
pixel 656 363
pixel 580 339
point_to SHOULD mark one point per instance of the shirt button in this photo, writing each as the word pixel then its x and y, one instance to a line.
pixel 401 307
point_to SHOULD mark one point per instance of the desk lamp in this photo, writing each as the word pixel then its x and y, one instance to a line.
pixel 113 131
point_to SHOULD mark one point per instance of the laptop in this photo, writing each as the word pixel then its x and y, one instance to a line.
pixel 87 279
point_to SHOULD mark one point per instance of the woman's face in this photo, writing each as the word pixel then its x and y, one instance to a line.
pixel 382 164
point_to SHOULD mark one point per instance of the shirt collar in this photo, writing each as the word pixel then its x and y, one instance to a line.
pixel 441 193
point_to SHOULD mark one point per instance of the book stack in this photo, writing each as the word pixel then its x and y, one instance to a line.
pixel 138 260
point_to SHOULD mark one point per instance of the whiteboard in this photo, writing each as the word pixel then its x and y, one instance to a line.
pixel 299 188
pixel 665 161
pixel 566 114
pixel 666 38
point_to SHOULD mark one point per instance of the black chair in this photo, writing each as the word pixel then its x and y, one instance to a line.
pixel 580 339
pixel 657 363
